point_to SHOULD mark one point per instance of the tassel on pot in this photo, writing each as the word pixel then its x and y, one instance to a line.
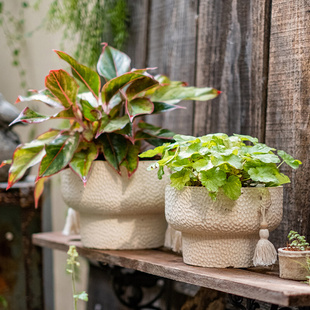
pixel 265 253
pixel 72 225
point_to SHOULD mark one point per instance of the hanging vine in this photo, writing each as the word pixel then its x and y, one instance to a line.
pixel 85 22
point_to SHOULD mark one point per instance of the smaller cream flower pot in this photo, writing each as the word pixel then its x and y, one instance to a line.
pixel 117 212
pixel 221 233
pixel 293 264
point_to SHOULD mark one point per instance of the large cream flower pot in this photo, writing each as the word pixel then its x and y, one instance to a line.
pixel 221 233
pixel 293 264
pixel 117 212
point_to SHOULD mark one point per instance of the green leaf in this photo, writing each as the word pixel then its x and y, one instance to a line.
pixel 112 62
pixel 116 124
pixel 180 178
pixel 232 187
pixel 259 148
pixel 154 131
pixel 183 138
pixel 264 174
pixel 173 94
pixel 131 160
pixel 28 155
pixel 139 86
pixel 202 164
pixel 88 96
pixel 81 296
pixel 116 84
pixel 87 76
pixel 267 158
pixel 160 107
pixel 139 106
pixel 59 152
pixel 294 163
pixel 29 116
pixel 154 152
pixel 212 179
pixel 89 112
pixel 190 150
pixel 65 114
pixel 38 190
pixel 233 160
pixel 82 161
pixel 43 95
pixel 115 149
pixel 63 86
pixel 6 162
pixel 247 138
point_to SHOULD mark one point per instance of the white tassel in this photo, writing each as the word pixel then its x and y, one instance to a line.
pixel 173 239
pixel 72 225
pixel 265 253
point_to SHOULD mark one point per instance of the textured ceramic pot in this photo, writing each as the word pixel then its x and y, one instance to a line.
pixel 117 212
pixel 293 264
pixel 221 233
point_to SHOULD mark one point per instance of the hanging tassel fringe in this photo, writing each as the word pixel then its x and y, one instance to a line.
pixel 173 239
pixel 72 225
pixel 265 253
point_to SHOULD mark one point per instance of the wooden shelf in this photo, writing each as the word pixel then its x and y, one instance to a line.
pixel 256 283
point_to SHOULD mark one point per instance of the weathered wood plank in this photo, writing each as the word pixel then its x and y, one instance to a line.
pixel 172 48
pixel 232 56
pixel 265 286
pixel 288 110
pixel 20 261
pixel 136 46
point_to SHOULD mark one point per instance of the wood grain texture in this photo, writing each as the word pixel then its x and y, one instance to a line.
pixel 136 46
pixel 232 57
pixel 288 110
pixel 172 48
pixel 255 283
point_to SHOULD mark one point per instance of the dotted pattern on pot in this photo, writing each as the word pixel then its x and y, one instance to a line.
pixel 212 230
pixel 118 212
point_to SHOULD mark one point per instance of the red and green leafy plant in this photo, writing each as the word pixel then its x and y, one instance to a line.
pixel 104 119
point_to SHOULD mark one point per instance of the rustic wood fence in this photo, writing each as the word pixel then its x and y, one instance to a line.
pixel 257 52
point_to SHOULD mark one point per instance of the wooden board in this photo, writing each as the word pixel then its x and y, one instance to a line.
pixel 172 48
pixel 232 56
pixel 288 110
pixel 136 46
pixel 265 286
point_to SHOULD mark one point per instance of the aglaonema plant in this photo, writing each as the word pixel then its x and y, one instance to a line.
pixel 104 110
pixel 217 161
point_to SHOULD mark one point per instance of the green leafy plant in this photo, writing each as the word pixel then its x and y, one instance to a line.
pixel 3 302
pixel 104 120
pixel 219 161
pixel 297 242
pixel 72 265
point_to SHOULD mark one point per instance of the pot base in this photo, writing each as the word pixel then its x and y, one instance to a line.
pixel 124 232
pixel 219 251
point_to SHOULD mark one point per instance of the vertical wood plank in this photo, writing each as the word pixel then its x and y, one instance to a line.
pixel 172 48
pixel 232 56
pixel 136 46
pixel 288 110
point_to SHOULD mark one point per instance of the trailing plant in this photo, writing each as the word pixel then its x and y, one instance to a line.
pixel 103 120
pixel 84 22
pixel 297 242
pixel 72 266
pixel 87 22
pixel 217 161
pixel 12 24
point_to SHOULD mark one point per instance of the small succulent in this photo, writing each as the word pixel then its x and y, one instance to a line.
pixel 104 110
pixel 297 242
pixel 218 161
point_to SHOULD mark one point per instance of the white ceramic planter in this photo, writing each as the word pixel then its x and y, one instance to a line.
pixel 221 233
pixel 293 264
pixel 117 212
